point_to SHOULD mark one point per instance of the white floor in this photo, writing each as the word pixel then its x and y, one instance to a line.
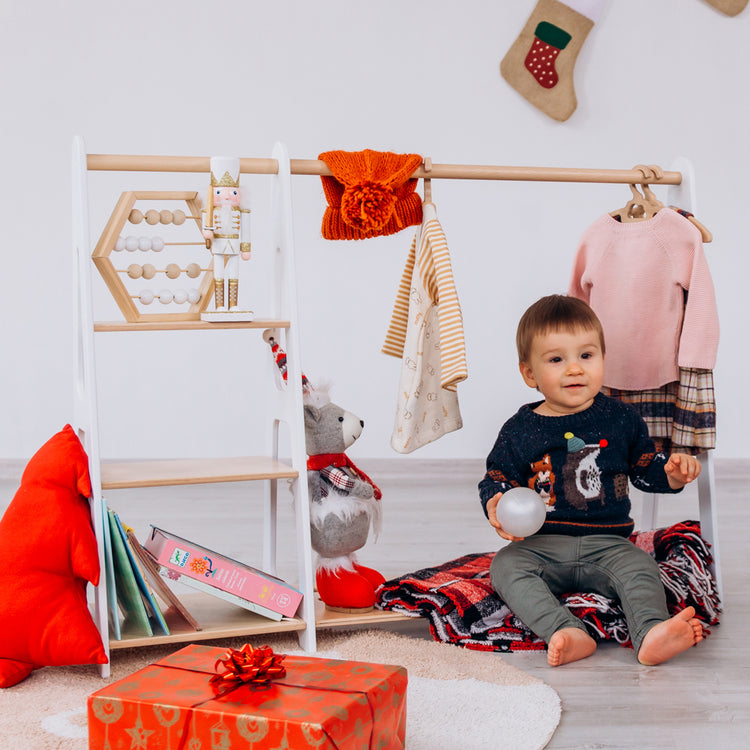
pixel 432 515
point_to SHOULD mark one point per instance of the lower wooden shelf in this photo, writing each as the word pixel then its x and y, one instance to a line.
pixel 219 619
pixel 325 618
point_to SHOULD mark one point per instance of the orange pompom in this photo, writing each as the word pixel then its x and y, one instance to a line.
pixel 367 205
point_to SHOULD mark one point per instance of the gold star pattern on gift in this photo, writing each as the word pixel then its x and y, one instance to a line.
pixel 139 735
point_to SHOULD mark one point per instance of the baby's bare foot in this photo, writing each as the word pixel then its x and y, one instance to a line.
pixel 569 644
pixel 671 637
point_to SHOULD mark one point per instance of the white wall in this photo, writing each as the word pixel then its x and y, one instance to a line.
pixel 655 80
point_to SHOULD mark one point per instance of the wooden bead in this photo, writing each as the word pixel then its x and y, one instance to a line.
pixel 148 271
pixel 180 296
pixel 178 217
pixel 193 270
pixel 135 216
pixel 194 296
pixel 166 296
pixel 135 271
pixel 131 243
pixel 146 296
pixel 165 217
pixel 157 244
pixel 152 216
pixel 173 271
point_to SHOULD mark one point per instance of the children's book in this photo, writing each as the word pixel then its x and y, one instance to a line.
pixel 207 588
pixel 177 613
pixel 128 593
pixel 109 572
pixel 152 606
pixel 222 572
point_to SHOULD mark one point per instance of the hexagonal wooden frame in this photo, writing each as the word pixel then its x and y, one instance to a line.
pixel 111 276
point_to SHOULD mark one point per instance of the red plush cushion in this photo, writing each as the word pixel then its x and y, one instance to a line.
pixel 48 552
pixel 12 672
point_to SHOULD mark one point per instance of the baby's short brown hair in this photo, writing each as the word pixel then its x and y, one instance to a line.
pixel 556 312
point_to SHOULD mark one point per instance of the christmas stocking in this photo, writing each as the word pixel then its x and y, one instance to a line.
pixel 539 64
pixel 730 7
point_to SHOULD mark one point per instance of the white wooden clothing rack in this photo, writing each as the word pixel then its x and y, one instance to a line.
pixel 681 192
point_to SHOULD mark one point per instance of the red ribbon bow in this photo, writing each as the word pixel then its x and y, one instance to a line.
pixel 248 665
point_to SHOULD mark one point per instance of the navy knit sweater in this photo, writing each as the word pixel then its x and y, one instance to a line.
pixel 580 465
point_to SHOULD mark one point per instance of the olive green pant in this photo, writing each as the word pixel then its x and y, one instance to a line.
pixel 530 575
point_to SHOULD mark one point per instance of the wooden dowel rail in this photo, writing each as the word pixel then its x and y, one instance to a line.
pixel 128 163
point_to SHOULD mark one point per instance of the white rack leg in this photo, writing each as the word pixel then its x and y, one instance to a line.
pixel 270 508
pixel 85 420
pixel 290 396
pixel 707 509
pixel 683 196
pixel 650 511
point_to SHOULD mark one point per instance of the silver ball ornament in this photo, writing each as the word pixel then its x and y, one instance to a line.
pixel 521 512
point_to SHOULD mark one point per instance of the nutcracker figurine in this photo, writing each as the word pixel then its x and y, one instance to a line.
pixel 226 228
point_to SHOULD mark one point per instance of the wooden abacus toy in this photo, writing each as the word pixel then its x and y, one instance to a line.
pixel 194 259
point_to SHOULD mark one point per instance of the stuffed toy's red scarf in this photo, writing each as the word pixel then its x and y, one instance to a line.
pixel 316 463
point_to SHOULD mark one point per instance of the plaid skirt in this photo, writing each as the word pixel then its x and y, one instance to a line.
pixel 681 416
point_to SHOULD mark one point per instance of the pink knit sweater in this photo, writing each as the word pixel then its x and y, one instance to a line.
pixel 635 276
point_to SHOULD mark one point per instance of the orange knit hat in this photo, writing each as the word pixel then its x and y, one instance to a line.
pixel 371 194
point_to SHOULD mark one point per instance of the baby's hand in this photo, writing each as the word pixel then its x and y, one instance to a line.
pixel 492 515
pixel 681 469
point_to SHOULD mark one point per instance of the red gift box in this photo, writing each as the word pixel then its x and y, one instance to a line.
pixel 320 703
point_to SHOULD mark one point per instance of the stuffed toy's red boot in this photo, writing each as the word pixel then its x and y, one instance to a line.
pixel 344 590
pixel 373 576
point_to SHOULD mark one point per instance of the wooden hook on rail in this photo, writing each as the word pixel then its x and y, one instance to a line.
pixel 427 164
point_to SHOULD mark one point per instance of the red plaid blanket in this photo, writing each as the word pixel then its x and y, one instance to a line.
pixel 463 608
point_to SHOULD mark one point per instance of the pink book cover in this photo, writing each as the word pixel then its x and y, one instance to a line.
pixel 194 561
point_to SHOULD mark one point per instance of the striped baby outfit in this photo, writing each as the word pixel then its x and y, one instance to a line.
pixel 426 333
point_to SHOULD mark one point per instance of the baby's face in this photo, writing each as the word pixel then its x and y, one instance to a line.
pixel 567 367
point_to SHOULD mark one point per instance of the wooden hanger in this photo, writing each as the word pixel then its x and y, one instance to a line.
pixel 641 206
pixel 648 205
pixel 705 234
pixel 633 210
pixel 654 205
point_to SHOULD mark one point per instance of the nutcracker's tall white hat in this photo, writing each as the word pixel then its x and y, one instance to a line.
pixel 225 171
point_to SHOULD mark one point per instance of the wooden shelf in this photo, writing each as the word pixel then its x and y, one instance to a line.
pixel 325 618
pixel 220 619
pixel 118 475
pixel 186 325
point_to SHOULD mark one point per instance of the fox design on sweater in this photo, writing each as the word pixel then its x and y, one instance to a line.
pixel 543 480
pixel 581 475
